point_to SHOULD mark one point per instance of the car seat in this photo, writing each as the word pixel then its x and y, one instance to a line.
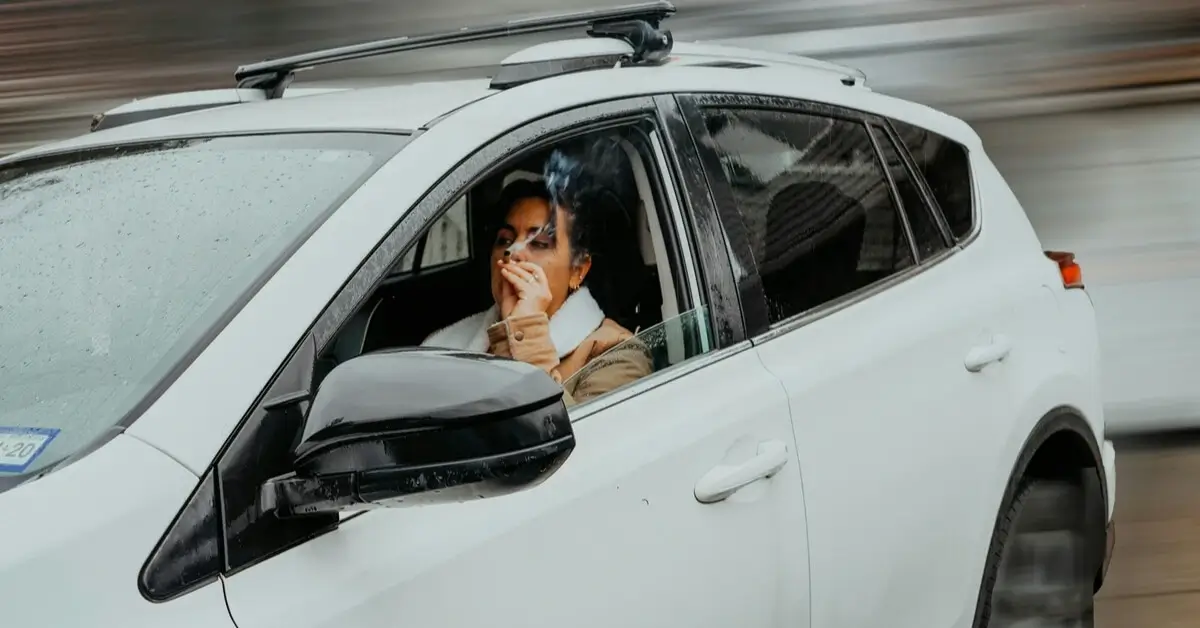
pixel 813 238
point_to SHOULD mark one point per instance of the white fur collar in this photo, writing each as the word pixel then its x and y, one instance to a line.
pixel 578 317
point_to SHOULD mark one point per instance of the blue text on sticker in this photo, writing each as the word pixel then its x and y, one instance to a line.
pixel 20 446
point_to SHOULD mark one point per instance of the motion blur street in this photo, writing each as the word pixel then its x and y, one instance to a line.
pixel 1090 110
pixel 1154 579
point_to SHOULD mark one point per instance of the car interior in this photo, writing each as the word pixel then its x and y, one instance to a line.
pixel 821 230
pixel 444 275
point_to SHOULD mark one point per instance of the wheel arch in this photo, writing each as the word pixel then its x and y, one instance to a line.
pixel 1061 443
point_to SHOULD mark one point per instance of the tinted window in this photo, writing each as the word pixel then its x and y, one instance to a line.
pixel 947 169
pixel 117 262
pixel 816 203
pixel 925 232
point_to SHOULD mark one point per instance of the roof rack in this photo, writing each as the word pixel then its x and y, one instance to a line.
pixel 636 24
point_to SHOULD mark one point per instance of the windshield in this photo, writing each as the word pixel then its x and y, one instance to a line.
pixel 117 264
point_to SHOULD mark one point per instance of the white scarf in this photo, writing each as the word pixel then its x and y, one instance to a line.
pixel 578 317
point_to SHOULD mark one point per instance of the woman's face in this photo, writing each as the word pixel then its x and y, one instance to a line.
pixel 526 232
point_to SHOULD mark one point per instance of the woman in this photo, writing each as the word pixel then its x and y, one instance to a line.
pixel 545 313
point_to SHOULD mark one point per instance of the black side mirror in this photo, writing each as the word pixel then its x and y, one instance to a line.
pixel 417 426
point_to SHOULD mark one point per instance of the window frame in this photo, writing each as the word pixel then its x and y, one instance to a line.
pixel 927 192
pixel 202 520
pixel 750 289
pixel 418 249
pixel 926 200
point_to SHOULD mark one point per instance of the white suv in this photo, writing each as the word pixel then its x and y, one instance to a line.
pixel 873 399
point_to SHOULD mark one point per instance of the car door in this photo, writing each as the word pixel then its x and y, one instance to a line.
pixel 680 505
pixel 861 328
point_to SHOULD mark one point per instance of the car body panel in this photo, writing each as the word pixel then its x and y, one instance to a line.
pixel 614 538
pixel 75 540
pixel 390 109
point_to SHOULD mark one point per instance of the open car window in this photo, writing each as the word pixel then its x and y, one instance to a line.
pixel 670 342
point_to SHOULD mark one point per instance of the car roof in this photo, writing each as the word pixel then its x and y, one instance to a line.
pixel 392 109
pixel 400 108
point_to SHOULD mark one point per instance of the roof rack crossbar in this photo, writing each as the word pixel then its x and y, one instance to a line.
pixel 274 75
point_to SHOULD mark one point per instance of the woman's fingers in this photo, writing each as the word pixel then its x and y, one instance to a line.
pixel 530 283
pixel 535 270
pixel 522 286
pixel 520 272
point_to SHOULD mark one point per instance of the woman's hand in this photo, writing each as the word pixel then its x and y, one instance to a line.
pixel 526 290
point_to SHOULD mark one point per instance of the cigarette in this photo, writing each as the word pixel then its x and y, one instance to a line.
pixel 517 246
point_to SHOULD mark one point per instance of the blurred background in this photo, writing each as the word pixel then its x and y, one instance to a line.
pixel 1091 109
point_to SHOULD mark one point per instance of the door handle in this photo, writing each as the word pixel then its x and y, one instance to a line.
pixel 983 355
pixel 725 480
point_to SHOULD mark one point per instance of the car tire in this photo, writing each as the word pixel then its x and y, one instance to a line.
pixel 1040 572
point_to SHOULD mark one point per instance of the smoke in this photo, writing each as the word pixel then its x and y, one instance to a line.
pixel 559 171
pixel 592 181
pixel 589 180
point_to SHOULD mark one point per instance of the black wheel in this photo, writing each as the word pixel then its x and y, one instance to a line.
pixel 1041 570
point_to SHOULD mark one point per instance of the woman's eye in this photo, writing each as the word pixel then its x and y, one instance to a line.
pixel 503 240
pixel 541 244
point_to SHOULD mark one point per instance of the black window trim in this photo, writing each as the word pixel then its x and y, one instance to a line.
pixel 897 201
pixel 976 214
pixel 758 325
pixel 419 269
pixel 914 173
pixel 372 272
pixel 711 246
pixel 707 254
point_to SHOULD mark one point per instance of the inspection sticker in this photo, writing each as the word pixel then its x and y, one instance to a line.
pixel 20 446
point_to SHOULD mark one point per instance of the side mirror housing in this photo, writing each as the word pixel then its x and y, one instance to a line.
pixel 417 426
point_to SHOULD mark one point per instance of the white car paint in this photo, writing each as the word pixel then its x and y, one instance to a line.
pixel 75 540
pixel 946 438
pixel 616 539
pixel 904 452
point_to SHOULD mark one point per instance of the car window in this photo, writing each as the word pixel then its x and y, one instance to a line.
pixel 820 214
pixel 925 232
pixel 673 341
pixel 117 262
pixel 622 280
pixel 446 242
pixel 946 166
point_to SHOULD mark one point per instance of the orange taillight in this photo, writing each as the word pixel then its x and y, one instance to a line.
pixel 1072 274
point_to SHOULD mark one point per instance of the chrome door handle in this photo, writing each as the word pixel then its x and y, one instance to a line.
pixel 983 355
pixel 725 480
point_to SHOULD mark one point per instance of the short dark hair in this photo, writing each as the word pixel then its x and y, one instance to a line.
pixel 589 215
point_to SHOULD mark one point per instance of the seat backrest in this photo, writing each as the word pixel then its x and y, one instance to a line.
pixel 813 239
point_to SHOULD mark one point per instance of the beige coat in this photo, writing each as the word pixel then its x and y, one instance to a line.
pixel 610 361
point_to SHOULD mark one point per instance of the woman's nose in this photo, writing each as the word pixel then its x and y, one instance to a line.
pixel 520 254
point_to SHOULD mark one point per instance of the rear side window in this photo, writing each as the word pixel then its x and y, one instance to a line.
pixel 816 203
pixel 925 232
pixel 947 169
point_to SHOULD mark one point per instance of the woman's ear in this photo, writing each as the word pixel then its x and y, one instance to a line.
pixel 580 272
